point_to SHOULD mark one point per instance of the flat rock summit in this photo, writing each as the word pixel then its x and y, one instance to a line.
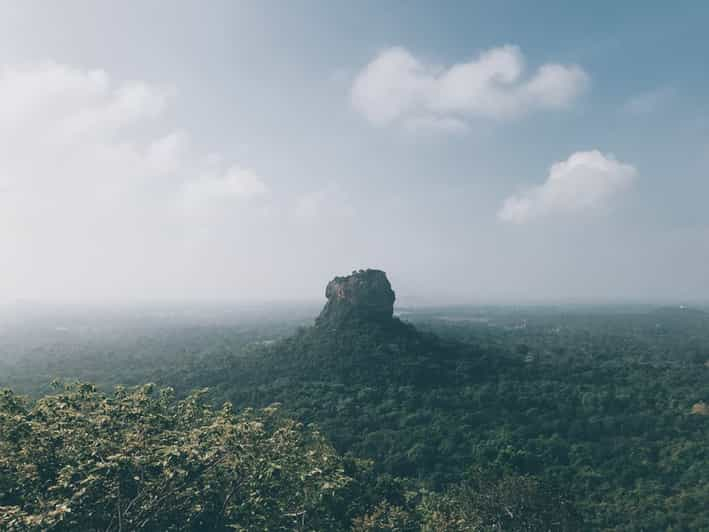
pixel 365 295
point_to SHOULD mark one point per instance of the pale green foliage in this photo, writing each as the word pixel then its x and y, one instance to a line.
pixel 510 503
pixel 386 518
pixel 139 460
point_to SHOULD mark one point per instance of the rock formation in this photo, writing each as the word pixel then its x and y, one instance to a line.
pixel 366 295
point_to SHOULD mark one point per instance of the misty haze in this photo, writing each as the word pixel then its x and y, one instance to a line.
pixel 354 266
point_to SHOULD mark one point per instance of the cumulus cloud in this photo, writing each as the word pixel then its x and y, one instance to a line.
pixel 398 87
pixel 584 182
pixel 93 182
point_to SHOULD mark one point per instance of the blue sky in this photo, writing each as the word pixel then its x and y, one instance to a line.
pixel 477 151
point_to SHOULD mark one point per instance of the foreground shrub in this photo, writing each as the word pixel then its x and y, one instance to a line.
pixel 140 460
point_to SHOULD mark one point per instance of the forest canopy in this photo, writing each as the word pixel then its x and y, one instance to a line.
pixel 81 460
pixel 463 418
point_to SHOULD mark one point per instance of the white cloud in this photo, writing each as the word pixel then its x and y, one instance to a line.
pixel 70 102
pixel 586 181
pixel 397 87
pixel 166 154
pixel 93 183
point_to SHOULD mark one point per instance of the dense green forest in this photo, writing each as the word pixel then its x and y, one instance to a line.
pixel 459 418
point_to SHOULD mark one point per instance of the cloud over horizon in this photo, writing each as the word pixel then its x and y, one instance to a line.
pixel 397 87
pixel 585 182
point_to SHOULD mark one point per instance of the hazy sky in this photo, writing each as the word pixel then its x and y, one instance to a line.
pixel 476 151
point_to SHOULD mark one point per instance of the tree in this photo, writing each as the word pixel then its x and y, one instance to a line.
pixel 510 503
pixel 139 460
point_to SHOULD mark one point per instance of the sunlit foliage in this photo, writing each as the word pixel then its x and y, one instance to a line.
pixel 139 460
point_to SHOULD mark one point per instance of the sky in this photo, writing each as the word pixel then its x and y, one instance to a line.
pixel 250 151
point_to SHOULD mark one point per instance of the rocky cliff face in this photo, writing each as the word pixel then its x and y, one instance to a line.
pixel 366 295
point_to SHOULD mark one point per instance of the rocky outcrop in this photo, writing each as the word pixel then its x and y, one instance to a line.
pixel 366 295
